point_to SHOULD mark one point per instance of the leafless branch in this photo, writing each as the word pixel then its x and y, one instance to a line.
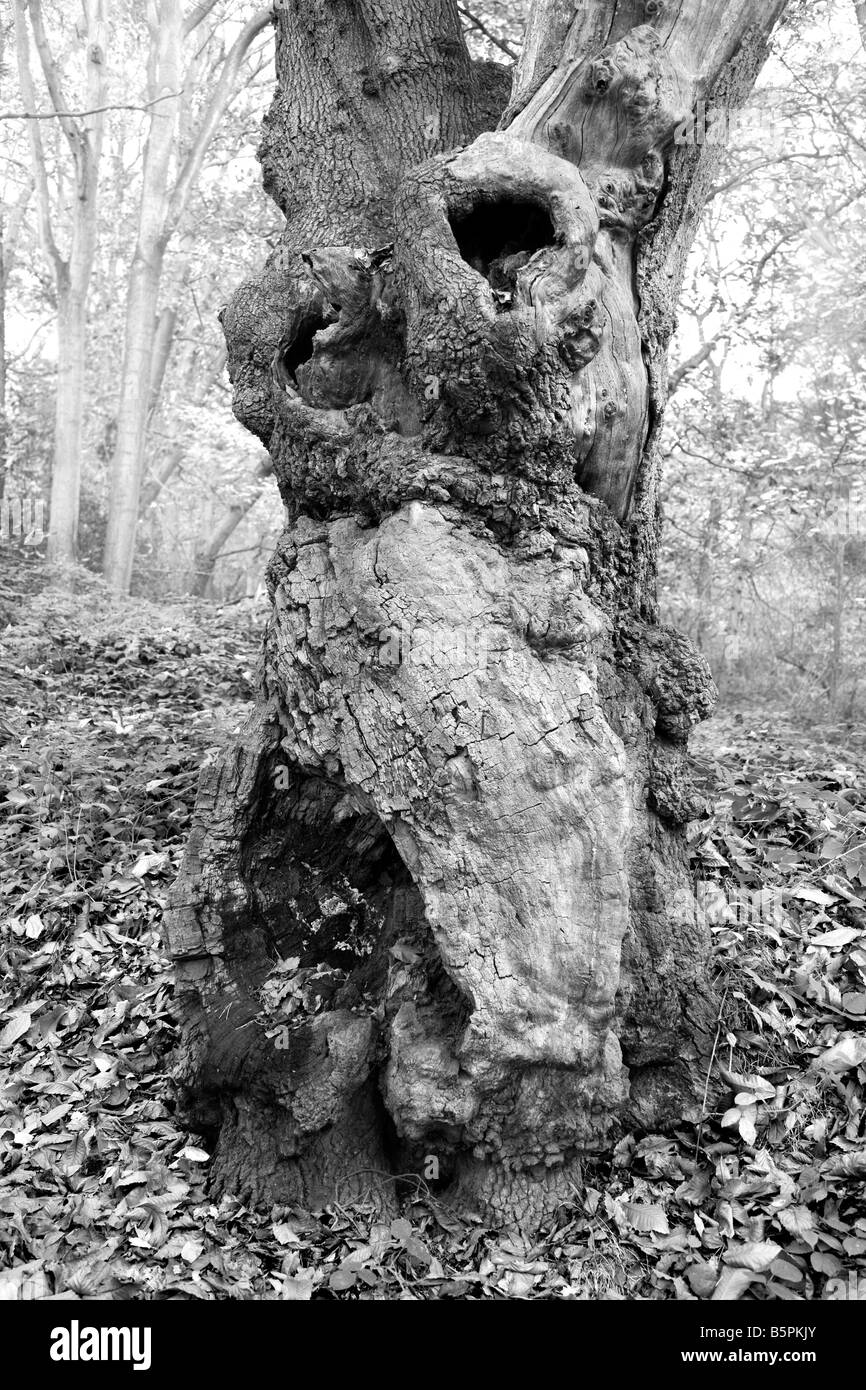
pixel 197 14
pixel 220 99
pixel 46 58
pixel 75 115
pixel 691 364
pixel 479 24
pixel 25 76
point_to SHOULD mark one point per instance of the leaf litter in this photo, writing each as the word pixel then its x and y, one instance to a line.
pixel 110 708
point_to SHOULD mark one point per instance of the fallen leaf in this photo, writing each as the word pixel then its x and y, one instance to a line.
pixel 298 1288
pixel 646 1219
pixel 18 1025
pixel 755 1255
pixel 194 1155
pixel 849 1165
pixel 839 936
pixel 848 1052
pixel 732 1285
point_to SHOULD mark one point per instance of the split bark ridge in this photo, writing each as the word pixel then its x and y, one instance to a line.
pixel 435 904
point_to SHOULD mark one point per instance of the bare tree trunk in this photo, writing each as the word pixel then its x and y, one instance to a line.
pixel 10 229
pixel 72 274
pixel 126 463
pixel 4 280
pixel 434 912
pixel 162 342
pixel 197 391
pixel 68 424
pixel 143 292
pixel 207 556
pixel 837 621
pixel 162 207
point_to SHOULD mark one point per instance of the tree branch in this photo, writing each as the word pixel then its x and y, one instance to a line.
pixel 200 12
pixel 14 219
pixel 77 115
pixel 50 70
pixel 476 23
pixel 220 99
pixel 37 152
pixel 207 556
pixel 691 364
pixel 161 475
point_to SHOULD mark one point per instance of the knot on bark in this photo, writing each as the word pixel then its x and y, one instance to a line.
pixel 671 790
pixel 674 675
pixel 627 104
pixel 600 75
pixel 254 321
pixel 627 199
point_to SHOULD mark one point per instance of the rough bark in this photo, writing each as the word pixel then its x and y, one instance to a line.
pixel 445 866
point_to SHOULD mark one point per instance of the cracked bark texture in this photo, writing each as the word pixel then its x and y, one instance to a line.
pixel 435 902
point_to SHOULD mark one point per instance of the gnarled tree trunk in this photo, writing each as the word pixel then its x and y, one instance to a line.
pixel 435 905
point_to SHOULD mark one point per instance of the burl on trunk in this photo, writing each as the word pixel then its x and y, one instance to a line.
pixel 435 905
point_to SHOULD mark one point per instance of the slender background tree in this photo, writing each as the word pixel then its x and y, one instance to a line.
pixel 163 203
pixel 71 271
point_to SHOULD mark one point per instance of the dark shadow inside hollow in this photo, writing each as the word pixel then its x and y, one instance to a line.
pixel 300 346
pixel 323 873
pixel 327 888
pixel 323 921
pixel 496 230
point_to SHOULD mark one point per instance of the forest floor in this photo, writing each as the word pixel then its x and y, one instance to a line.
pixel 108 712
